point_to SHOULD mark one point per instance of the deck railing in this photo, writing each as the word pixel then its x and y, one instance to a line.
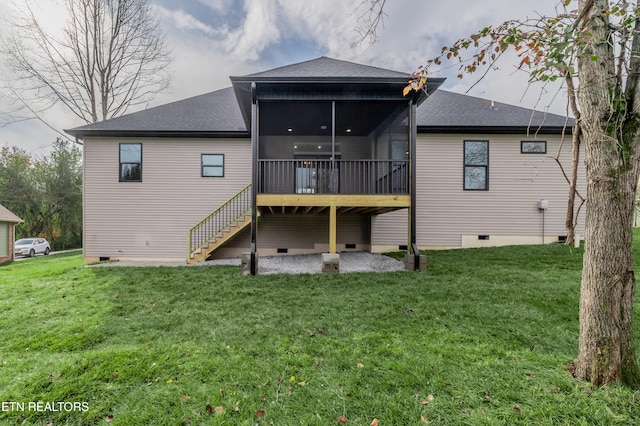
pixel 365 177
pixel 220 220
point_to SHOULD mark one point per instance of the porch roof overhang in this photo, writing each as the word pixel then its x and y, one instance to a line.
pixel 325 89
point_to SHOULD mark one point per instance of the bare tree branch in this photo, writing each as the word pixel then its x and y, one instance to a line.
pixel 371 20
pixel 110 56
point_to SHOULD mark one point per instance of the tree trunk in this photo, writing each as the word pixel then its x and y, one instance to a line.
pixel 610 134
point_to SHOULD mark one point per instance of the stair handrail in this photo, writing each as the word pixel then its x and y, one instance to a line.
pixel 242 203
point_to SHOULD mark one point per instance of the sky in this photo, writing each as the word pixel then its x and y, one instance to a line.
pixel 211 40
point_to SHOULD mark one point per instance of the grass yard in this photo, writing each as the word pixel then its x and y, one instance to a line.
pixel 483 337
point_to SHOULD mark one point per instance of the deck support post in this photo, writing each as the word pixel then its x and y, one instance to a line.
pixel 254 180
pixel 332 228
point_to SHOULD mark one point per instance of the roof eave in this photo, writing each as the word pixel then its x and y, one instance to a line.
pixel 159 133
pixel 502 130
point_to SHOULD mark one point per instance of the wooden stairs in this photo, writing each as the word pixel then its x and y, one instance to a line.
pixel 219 227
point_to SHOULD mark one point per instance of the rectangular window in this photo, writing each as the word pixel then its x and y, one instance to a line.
pixel 212 165
pixel 533 147
pixel 130 162
pixel 476 165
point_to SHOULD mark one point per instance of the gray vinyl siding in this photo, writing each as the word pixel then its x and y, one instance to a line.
pixel 305 231
pixel 150 219
pixel 446 212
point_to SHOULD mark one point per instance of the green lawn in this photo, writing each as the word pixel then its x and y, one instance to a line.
pixel 483 337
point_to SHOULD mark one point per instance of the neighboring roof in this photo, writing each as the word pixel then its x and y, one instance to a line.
pixel 446 111
pixel 218 113
pixel 7 216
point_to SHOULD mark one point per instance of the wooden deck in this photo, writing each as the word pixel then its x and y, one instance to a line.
pixel 331 204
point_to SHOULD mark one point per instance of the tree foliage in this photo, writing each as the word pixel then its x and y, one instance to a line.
pixel 45 193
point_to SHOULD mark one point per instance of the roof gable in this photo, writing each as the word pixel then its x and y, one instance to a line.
pixel 325 67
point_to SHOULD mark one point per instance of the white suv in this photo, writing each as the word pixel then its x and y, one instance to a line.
pixel 31 246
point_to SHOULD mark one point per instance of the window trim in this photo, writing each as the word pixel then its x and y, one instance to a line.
pixel 120 162
pixel 522 150
pixel 202 166
pixel 465 165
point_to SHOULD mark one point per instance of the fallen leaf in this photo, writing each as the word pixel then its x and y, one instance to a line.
pixel 185 398
pixel 292 379
pixel 187 421
pixel 219 409
pixel 342 419
pixel 427 400
pixel 303 383
pixel 375 422
pixel 169 381
pixel 360 365
pixel 114 374
pixel 516 410
pixel 209 409
pixel 424 420
pixel 260 413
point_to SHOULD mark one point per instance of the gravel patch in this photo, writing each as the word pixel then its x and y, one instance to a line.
pixel 296 263
pixel 312 263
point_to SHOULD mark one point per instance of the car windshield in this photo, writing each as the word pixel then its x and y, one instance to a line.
pixel 25 241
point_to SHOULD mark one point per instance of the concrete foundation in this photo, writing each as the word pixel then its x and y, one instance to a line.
pixel 245 263
pixel 330 262
pixel 409 262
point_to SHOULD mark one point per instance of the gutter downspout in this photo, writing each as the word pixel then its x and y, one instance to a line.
pixel 413 135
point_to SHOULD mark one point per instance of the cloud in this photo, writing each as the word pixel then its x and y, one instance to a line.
pixel 259 30
pixel 217 5
pixel 184 21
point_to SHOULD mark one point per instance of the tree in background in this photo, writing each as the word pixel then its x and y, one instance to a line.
pixel 61 179
pixel 19 191
pixel 46 194
pixel 111 55
pixel 597 46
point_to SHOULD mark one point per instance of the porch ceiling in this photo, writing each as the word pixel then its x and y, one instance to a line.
pixel 317 89
pixel 314 118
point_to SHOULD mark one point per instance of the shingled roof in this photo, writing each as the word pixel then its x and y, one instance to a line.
pixel 7 216
pixel 453 112
pixel 213 112
pixel 325 67
pixel 218 113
